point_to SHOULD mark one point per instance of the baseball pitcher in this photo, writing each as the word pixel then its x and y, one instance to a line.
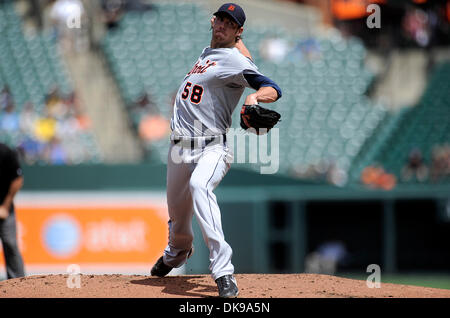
pixel 199 156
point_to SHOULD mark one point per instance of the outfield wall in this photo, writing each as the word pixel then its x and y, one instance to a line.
pixel 98 231
pixel 117 216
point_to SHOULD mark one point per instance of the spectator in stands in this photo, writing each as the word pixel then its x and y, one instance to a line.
pixel 304 171
pixel 30 150
pixel 59 109
pixel 72 103
pixel 83 121
pixel 5 98
pixel 112 12
pixel 53 97
pixel 137 5
pixel 28 118
pixel 415 167
pixel 370 175
pixel 417 26
pixel 336 175
pixel 306 50
pixel 59 106
pixel 40 138
pixel 374 176
pixel 143 105
pixel 274 49
pixel 386 181
pixel 9 120
pixel 440 162
pixel 45 128
pixel 54 152
pixel 153 127
pixel 325 170
pixel 447 159
pixel 35 12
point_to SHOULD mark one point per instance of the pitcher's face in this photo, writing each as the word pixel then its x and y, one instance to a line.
pixel 225 31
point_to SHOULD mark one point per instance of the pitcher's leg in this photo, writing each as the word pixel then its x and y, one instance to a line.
pixel 208 173
pixel 179 202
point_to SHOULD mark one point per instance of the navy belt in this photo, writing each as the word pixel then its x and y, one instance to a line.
pixel 201 140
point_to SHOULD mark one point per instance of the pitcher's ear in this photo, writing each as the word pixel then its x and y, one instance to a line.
pixel 241 30
pixel 213 18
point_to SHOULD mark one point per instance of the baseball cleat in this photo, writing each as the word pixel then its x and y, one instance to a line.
pixel 160 269
pixel 227 286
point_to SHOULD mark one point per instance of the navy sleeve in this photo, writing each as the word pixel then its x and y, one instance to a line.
pixel 257 81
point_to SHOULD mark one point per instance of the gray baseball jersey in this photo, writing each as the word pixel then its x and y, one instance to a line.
pixel 203 107
pixel 210 92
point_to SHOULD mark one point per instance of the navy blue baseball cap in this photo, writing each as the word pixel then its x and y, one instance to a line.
pixel 234 11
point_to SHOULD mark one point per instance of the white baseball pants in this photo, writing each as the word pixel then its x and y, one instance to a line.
pixel 192 176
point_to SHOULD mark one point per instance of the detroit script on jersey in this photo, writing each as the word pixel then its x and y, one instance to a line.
pixel 200 69
pixel 210 92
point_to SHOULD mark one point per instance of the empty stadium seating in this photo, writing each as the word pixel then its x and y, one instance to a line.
pixel 31 66
pixel 424 127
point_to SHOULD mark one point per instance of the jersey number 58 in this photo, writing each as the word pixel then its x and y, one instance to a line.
pixel 196 93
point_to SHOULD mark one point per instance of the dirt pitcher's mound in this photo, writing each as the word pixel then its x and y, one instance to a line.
pixel 250 285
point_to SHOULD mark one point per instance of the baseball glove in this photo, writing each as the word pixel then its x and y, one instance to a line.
pixel 259 118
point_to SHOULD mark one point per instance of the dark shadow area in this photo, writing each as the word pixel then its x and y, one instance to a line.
pixel 178 285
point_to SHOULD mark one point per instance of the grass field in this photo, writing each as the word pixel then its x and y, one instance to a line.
pixel 435 280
